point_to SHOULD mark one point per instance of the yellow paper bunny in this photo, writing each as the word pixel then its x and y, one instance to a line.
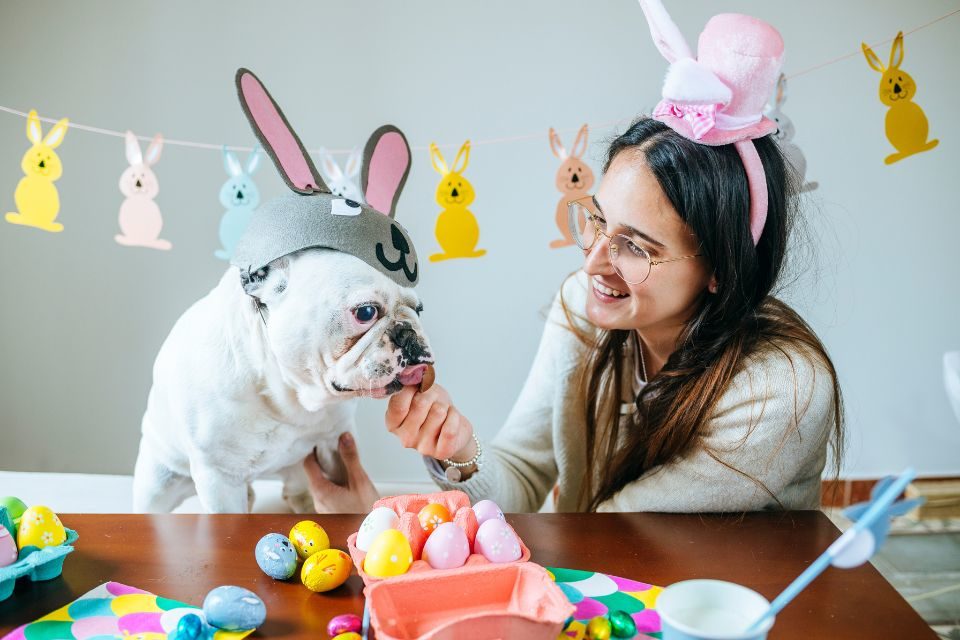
pixel 457 229
pixel 37 201
pixel 906 123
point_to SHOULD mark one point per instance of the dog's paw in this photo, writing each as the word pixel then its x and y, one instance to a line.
pixel 300 502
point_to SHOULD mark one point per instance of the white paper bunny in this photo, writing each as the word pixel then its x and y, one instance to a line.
pixel 784 135
pixel 343 184
pixel 140 219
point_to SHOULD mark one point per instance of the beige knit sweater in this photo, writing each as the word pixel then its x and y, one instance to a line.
pixel 773 423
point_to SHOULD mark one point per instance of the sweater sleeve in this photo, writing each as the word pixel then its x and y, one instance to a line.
pixel 772 425
pixel 519 466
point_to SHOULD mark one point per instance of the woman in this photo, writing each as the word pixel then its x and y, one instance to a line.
pixel 668 378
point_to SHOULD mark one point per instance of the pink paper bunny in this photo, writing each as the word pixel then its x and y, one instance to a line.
pixel 140 219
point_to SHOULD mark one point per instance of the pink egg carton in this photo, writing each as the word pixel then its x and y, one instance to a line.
pixel 407 507
pixel 481 602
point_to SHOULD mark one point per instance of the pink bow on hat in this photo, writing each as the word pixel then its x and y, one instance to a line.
pixel 702 117
pixel 718 97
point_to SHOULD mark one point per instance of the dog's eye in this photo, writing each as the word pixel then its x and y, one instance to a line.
pixel 365 313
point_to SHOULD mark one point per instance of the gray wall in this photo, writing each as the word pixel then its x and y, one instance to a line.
pixel 83 317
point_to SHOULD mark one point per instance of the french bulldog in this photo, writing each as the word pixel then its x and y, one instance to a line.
pixel 316 310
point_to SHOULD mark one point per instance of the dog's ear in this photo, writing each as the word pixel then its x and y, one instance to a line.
pixel 268 283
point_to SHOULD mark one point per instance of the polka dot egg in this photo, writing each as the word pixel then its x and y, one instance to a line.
pixel 389 555
pixel 447 547
pixel 497 542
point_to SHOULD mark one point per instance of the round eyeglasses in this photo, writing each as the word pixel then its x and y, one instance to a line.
pixel 629 260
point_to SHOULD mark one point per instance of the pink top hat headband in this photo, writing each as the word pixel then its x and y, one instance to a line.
pixel 718 97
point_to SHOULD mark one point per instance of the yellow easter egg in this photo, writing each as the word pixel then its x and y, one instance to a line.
pixel 432 516
pixel 389 555
pixel 308 538
pixel 40 527
pixel 349 635
pixel 325 570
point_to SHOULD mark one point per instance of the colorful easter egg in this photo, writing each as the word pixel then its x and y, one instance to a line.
pixel 234 608
pixel 190 627
pixel 598 629
pixel 487 510
pixel 376 522
pixel 497 542
pixel 15 507
pixel 308 538
pixel 432 516
pixel 622 624
pixel 276 556
pixel 349 635
pixel 40 527
pixel 344 623
pixel 389 555
pixel 325 570
pixel 8 549
pixel 447 547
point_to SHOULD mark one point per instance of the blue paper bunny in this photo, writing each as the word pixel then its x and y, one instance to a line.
pixel 240 196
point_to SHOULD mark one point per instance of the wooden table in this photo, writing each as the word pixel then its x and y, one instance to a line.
pixel 184 556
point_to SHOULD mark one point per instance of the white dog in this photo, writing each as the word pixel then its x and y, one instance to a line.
pixel 270 363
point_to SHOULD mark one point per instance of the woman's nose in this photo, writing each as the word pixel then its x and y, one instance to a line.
pixel 597 259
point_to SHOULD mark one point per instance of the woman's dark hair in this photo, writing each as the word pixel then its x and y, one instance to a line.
pixel 707 186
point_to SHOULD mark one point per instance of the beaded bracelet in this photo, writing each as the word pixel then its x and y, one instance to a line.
pixel 453 472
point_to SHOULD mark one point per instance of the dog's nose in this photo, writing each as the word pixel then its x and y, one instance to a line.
pixel 896 87
pixel 454 193
pixel 405 337
pixel 574 179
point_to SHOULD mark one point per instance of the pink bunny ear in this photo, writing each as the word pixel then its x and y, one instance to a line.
pixel 277 136
pixel 666 35
pixel 556 146
pixel 386 164
pixel 580 144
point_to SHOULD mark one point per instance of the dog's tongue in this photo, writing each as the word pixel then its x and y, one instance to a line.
pixel 411 376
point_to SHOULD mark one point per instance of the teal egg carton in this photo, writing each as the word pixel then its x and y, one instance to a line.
pixel 32 562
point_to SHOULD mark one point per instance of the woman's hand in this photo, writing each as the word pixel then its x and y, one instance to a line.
pixel 429 423
pixel 356 496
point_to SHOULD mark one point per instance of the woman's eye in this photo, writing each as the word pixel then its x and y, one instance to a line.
pixel 365 314
pixel 636 250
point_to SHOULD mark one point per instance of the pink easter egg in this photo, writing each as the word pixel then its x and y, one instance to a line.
pixel 344 623
pixel 497 542
pixel 8 549
pixel 487 510
pixel 447 547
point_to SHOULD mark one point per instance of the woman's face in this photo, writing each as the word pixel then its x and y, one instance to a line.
pixel 632 203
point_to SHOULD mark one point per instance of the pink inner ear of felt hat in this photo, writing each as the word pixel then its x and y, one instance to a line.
pixel 746 54
pixel 279 136
pixel 388 164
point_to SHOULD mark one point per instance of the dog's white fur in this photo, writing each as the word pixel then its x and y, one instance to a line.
pixel 240 392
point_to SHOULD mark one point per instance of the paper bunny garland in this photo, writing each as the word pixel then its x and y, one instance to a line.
pixel 313 216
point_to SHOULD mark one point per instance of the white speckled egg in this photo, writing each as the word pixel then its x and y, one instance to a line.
pixel 376 522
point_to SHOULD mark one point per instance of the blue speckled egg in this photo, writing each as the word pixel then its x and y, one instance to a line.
pixel 276 556
pixel 234 608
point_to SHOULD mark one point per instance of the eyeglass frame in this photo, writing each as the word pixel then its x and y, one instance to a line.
pixel 612 251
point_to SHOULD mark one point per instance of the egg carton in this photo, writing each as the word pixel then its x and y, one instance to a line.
pixel 407 507
pixel 37 564
pixel 505 600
